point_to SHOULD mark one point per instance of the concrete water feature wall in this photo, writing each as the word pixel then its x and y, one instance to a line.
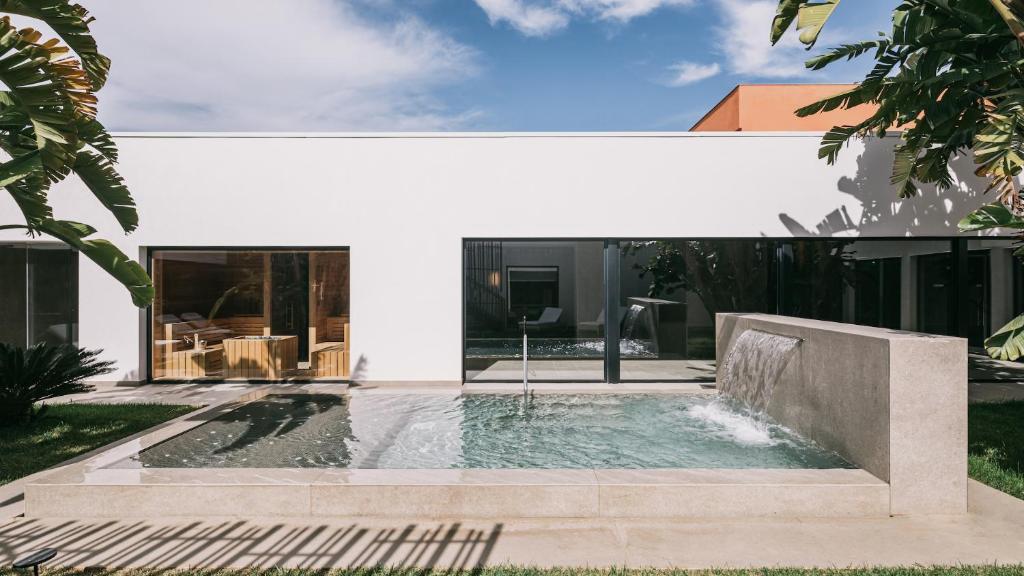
pixel 893 403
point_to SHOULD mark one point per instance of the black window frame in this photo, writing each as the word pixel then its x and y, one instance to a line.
pixel 71 282
pixel 147 314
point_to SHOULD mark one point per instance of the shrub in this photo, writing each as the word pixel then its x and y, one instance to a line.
pixel 28 376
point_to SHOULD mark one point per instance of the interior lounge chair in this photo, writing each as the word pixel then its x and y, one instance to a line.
pixel 548 317
pixel 168 319
pixel 206 329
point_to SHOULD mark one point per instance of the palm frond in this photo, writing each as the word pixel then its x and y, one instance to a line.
pixel 99 174
pixel 1008 342
pixel 999 148
pixel 71 23
pixel 48 128
pixel 834 140
pixel 990 216
pixel 846 99
pixel 92 132
pixel 106 255
pixel 904 159
pixel 811 17
pixel 846 52
pixel 785 14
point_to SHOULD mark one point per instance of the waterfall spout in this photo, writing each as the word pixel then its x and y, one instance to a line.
pixel 629 324
pixel 753 365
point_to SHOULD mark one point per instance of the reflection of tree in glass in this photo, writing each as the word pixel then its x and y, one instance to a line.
pixel 740 275
pixel 244 291
pixel 816 274
pixel 727 275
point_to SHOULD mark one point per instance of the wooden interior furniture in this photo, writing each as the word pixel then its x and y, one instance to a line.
pixel 260 358
pixel 190 363
pixel 176 356
pixel 331 359
pixel 244 325
pixel 183 330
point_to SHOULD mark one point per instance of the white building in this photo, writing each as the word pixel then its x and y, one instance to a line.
pixel 413 257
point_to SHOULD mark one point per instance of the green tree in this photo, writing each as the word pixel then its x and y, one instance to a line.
pixel 950 74
pixel 49 130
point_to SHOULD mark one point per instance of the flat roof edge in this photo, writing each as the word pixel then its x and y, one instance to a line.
pixel 469 135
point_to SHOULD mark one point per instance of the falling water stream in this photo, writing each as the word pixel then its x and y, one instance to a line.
pixel 629 324
pixel 746 381
pixel 753 366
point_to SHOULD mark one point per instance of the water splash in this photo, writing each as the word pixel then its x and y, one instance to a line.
pixel 752 367
pixel 733 424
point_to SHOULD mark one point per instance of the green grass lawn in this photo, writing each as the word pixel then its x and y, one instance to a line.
pixel 995 439
pixel 67 430
pixel 516 571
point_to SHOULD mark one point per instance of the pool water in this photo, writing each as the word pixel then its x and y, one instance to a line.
pixel 555 348
pixel 435 430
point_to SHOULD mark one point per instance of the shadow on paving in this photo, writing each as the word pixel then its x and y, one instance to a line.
pixel 121 544
pixel 984 369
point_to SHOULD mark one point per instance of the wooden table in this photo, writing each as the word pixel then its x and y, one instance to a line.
pixel 260 357
pixel 190 363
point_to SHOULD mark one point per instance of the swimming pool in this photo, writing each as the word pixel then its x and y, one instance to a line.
pixel 488 431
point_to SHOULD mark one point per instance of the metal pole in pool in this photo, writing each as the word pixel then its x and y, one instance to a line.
pixel 526 373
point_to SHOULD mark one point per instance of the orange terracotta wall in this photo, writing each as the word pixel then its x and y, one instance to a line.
pixel 724 117
pixel 769 107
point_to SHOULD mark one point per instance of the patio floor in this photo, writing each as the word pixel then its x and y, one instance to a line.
pixel 989 533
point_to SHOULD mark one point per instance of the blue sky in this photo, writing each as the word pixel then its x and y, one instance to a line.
pixel 398 65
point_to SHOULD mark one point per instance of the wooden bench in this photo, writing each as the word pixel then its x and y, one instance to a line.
pixel 176 356
pixel 259 358
pixel 331 359
pixel 190 363
pixel 212 335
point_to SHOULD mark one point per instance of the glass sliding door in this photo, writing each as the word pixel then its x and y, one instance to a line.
pixel 669 292
pixel 877 291
pixel 935 289
pixel 813 276
pixel 13 295
pixel 53 295
pixel 250 314
pixel 38 294
pixel 663 294
pixel 553 290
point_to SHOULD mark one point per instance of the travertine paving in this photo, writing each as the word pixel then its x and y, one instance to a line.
pixel 202 394
pixel 990 533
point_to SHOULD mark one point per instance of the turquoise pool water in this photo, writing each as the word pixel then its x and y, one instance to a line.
pixel 440 430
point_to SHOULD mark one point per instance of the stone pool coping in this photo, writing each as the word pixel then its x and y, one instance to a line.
pixel 92 489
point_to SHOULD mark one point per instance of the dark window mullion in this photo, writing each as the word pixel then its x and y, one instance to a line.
pixel 611 311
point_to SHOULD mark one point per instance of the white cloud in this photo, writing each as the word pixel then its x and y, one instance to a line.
pixel 544 17
pixel 531 20
pixel 683 73
pixel 261 65
pixel 619 10
pixel 743 38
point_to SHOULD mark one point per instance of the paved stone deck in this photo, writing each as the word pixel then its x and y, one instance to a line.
pixel 990 533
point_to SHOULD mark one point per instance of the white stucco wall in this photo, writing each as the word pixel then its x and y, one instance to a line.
pixel 403 204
